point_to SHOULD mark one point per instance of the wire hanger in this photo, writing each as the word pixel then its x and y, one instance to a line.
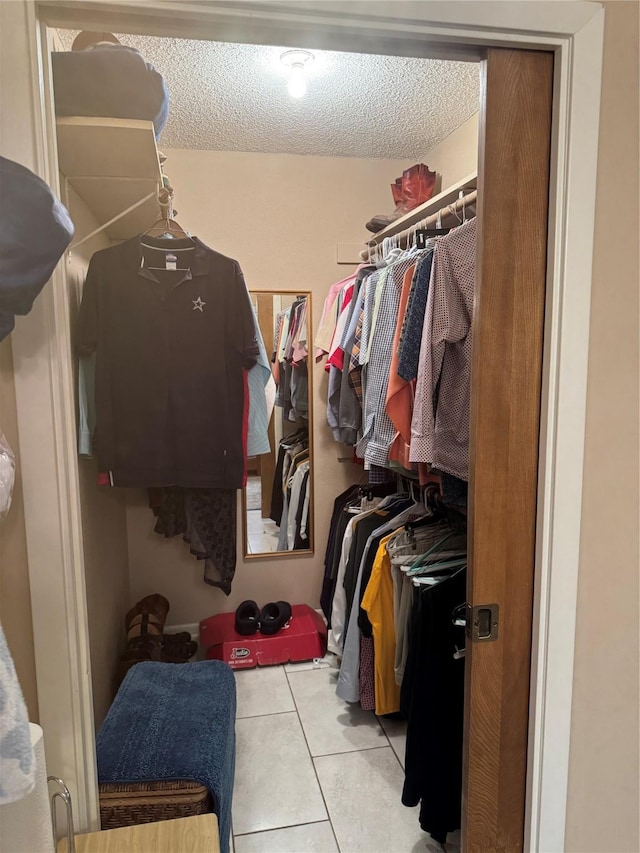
pixel 462 199
pixel 454 212
pixel 425 234
pixel 169 230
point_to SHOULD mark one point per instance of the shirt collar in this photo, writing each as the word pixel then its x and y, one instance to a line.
pixel 198 259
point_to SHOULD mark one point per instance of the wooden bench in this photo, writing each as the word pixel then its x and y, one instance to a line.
pixel 197 834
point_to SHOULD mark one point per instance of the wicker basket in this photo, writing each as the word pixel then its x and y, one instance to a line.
pixel 132 803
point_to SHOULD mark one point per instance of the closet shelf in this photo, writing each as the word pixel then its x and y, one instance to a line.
pixel 111 164
pixel 444 198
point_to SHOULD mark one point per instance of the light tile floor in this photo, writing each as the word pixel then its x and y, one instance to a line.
pixel 262 533
pixel 315 774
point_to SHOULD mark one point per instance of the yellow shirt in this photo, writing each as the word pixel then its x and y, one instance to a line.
pixel 378 603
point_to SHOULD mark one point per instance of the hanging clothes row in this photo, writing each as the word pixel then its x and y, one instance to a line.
pixel 289 358
pixel 395 572
pixel 172 386
pixel 291 492
pixel 397 341
pixel 292 478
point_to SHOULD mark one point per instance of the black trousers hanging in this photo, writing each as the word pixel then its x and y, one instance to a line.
pixel 433 701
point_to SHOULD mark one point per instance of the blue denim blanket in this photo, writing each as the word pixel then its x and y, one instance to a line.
pixel 174 721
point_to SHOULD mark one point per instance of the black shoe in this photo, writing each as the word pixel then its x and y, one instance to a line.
pixel 274 616
pixel 247 618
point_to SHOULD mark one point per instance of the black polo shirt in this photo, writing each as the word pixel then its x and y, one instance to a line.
pixel 171 347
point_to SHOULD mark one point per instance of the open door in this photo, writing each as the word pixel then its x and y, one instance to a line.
pixel 515 142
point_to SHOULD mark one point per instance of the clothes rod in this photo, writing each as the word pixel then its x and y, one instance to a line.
pixel 402 238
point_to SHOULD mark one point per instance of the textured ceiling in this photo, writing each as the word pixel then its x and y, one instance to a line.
pixel 233 97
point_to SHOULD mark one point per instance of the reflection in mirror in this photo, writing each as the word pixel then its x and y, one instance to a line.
pixel 277 502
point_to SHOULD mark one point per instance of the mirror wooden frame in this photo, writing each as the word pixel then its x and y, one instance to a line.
pixel 275 555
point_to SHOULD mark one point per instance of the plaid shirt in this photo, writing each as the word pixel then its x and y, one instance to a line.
pixel 440 432
pixel 378 429
pixel 355 368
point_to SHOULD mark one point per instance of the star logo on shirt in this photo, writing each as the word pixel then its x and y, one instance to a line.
pixel 198 304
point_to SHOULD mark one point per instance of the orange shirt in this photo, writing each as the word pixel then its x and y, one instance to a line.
pixel 399 404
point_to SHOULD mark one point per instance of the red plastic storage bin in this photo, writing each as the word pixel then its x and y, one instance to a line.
pixel 304 638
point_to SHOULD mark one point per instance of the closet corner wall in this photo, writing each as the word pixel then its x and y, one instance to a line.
pixel 104 520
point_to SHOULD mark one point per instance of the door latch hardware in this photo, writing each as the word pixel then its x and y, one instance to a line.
pixel 483 622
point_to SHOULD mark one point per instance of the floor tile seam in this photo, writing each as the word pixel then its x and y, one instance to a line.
pixel 384 731
pixel 284 826
pixel 391 745
pixel 397 757
pixel 313 764
pixel 303 666
pixel 312 668
pixel 293 711
pixel 377 718
pixel 268 714
pixel 353 751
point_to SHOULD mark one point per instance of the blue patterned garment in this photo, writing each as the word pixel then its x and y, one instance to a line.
pixel 17 763
pixel 259 413
pixel 409 352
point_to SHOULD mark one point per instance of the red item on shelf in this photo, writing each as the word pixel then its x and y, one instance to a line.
pixel 418 184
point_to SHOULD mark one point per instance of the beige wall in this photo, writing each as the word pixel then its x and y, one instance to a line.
pixel 603 779
pixel 15 600
pixel 104 521
pixel 457 155
pixel 281 216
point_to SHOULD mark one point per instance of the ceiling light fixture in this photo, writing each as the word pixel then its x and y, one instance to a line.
pixel 296 61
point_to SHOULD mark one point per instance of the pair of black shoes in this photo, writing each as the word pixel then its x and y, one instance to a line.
pixel 273 616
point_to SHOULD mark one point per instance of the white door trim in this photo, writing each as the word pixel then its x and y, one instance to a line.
pixel 574 30
pixel 46 425
pixel 563 416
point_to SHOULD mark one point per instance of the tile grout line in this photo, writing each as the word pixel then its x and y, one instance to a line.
pixel 353 751
pixel 268 714
pixel 279 828
pixel 391 745
pixel 295 710
pixel 277 713
pixel 313 764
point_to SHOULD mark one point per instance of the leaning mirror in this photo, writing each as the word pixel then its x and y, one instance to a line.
pixel 277 503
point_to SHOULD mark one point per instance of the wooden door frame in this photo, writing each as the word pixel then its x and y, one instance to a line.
pixel 508 331
pixel 44 391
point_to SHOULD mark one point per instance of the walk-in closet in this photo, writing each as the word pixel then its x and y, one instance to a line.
pixel 304 323
pixel 283 182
